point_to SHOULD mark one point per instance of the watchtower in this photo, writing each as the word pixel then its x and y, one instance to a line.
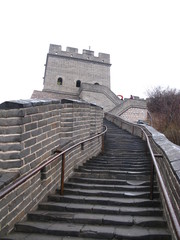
pixel 65 71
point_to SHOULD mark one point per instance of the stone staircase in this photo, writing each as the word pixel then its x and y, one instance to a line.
pixel 106 198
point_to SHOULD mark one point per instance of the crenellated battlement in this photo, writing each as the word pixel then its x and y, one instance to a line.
pixel 73 53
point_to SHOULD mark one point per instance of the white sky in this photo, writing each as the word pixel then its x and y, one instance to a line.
pixel 142 37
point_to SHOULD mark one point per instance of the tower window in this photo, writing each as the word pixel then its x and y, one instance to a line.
pixel 78 83
pixel 59 81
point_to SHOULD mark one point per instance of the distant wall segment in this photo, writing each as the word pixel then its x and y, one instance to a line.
pixel 31 130
pixel 131 110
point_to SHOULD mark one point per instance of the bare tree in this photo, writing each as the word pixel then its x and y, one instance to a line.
pixel 164 106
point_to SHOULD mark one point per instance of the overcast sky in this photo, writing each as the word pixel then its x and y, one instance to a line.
pixel 141 36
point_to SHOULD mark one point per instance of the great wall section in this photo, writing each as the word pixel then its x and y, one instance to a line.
pixel 65 176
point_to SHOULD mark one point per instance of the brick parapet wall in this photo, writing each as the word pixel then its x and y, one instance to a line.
pixel 169 163
pixel 35 129
pixel 131 110
pixel 134 114
pixel 71 52
pixel 95 88
pixel 33 132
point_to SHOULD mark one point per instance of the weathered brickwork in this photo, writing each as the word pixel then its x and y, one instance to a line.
pixel 37 134
pixel 168 159
pixel 69 74
pixel 135 114
pixel 131 110
pixel 70 66
pixel 29 135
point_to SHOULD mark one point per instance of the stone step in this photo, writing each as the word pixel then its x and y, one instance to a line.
pixel 41 236
pixel 85 169
pixel 108 162
pixel 110 181
pixel 107 193
pixel 120 159
pixel 102 209
pixel 126 176
pixel 120 152
pixel 134 202
pixel 116 187
pixel 87 230
pixel 99 219
pixel 119 166
pixel 106 198
pixel 117 163
pixel 116 168
pixel 127 156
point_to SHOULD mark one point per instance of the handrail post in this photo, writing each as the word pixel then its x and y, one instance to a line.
pixel 62 173
pixel 102 148
pixel 152 180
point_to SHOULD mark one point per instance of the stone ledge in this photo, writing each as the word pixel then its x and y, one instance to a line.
pixel 7 177
pixel 63 101
pixel 16 104
pixel 171 150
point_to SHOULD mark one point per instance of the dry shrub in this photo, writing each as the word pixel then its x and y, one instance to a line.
pixel 164 106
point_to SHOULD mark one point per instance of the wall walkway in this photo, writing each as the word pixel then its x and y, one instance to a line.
pixel 167 156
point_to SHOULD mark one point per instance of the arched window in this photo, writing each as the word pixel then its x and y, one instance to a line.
pixel 59 81
pixel 78 83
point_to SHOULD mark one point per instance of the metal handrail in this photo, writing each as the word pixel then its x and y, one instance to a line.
pixel 164 190
pixel 172 214
pixel 23 179
pixel 170 208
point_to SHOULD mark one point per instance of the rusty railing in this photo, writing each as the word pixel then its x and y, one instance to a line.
pixel 169 205
pixel 131 128
pixel 24 178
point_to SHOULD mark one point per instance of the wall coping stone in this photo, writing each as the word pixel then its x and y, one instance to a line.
pixel 79 102
pixel 7 177
pixel 171 150
pixel 16 104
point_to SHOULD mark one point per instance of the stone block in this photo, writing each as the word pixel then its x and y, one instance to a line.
pixel 42 123
pixel 6 147
pixel 36 147
pixel 8 177
pixel 10 130
pixel 30 142
pixel 36 132
pixel 9 164
pixel 37 117
pixel 29 158
pixel 9 155
pixel 10 121
pixel 26 120
pixel 24 152
pixel 30 126
pixel 25 136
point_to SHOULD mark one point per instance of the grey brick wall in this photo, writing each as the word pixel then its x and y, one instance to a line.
pixel 134 114
pixel 29 134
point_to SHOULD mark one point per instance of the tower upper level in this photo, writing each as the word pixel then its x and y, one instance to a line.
pixel 71 52
pixel 66 70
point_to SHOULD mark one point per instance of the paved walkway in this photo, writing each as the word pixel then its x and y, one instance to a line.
pixel 107 198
